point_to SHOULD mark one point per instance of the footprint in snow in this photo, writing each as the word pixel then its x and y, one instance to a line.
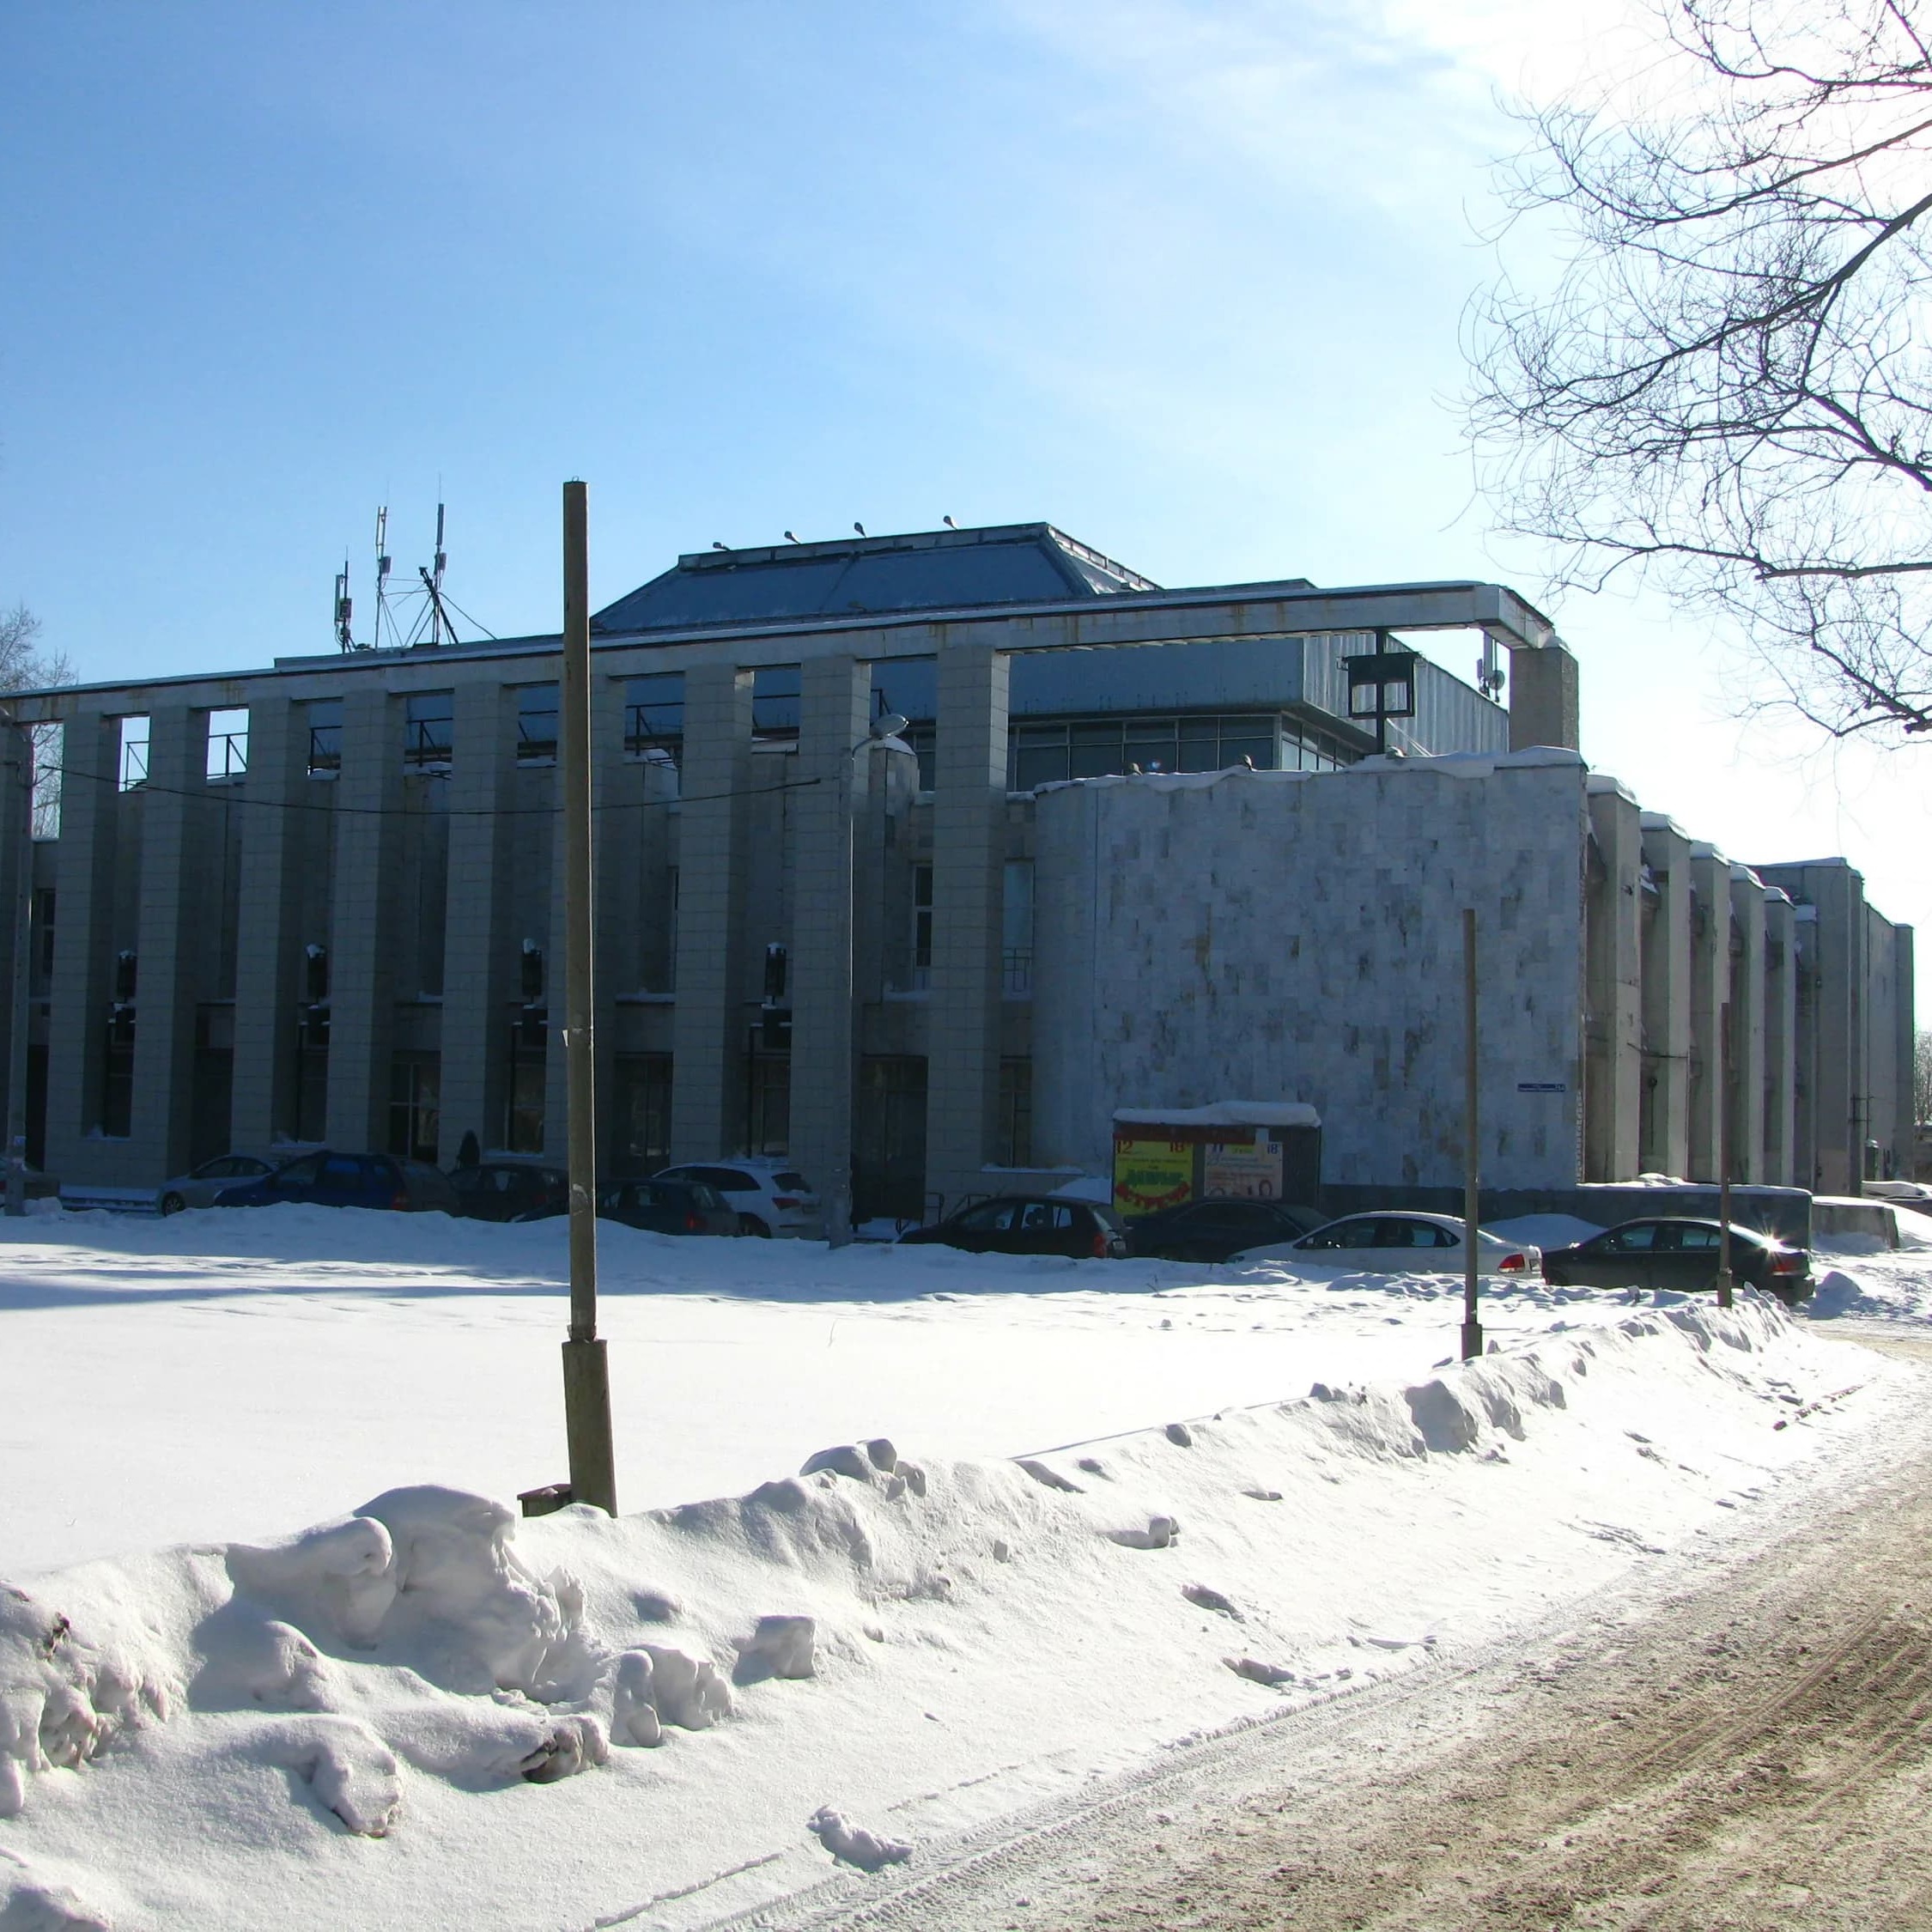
pixel 853 1845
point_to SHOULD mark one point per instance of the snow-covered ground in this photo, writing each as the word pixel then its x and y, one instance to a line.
pixel 373 1723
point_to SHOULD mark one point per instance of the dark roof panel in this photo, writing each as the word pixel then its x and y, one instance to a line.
pixel 930 570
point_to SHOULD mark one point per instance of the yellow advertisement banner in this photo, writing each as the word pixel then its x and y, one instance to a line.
pixel 1151 1174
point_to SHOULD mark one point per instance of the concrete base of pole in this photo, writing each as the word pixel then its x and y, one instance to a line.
pixel 838 1219
pixel 586 1416
pixel 1472 1341
pixel 1724 1286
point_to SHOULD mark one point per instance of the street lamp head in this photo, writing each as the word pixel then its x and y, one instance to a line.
pixel 888 723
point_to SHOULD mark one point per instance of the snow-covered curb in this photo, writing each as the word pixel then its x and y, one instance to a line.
pixel 844 1661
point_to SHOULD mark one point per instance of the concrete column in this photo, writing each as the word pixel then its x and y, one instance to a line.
pixel 1780 1041
pixel 361 999
pixel 708 1024
pixel 834 698
pixel 1614 1052
pixel 969 831
pixel 480 948
pixel 164 1032
pixel 1903 1126
pixel 1543 698
pixel 609 832
pixel 1711 966
pixel 84 963
pixel 1667 999
pixel 268 969
pixel 1746 1097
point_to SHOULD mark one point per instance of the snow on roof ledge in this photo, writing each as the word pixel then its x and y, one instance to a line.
pixel 1447 764
pixel 1222 1113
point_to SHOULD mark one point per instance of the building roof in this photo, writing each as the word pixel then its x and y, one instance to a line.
pixel 925 570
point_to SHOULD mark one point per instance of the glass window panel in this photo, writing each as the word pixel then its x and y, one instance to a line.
pixel 1039 764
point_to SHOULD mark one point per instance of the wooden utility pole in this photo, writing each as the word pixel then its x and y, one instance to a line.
pixel 1724 1155
pixel 586 1373
pixel 1471 1326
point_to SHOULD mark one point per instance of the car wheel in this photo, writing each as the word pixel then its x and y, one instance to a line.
pixel 750 1225
pixel 171 1203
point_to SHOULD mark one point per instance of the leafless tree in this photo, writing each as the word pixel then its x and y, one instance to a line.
pixel 1726 384
pixel 1922 1079
pixel 25 667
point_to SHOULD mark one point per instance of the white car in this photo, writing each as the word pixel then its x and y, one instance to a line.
pixel 1402 1244
pixel 769 1196
pixel 199 1189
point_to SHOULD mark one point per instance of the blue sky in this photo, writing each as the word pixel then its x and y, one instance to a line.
pixel 1185 279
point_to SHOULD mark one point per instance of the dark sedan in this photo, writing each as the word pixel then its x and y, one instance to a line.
pixel 1212 1230
pixel 1679 1255
pixel 511 1191
pixel 1030 1224
pixel 331 1180
pixel 672 1207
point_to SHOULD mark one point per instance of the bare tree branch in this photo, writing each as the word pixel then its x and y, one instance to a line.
pixel 1729 385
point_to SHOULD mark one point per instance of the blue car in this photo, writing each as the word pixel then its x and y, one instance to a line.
pixel 333 1180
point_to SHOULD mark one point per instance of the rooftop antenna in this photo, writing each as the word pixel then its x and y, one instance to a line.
pixel 432 584
pixel 345 635
pixel 381 575
pixel 948 523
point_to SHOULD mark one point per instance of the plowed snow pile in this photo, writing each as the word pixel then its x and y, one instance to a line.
pixel 429 1713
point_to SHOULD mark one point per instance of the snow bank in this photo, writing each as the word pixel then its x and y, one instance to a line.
pixel 415 1707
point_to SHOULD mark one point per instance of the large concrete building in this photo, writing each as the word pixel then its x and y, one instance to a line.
pixel 318 902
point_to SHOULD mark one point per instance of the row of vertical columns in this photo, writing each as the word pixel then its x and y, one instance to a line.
pixel 1746 1095
pixel 1667 999
pixel 706 1039
pixel 969 832
pixel 267 969
pixel 478 940
pixel 164 1034
pixel 834 697
pixel 607 754
pixel 1780 1039
pixel 1710 980
pixel 368 811
pixel 1614 1093
pixel 83 939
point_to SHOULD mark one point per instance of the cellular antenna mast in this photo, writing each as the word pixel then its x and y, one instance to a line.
pixel 381 576
pixel 345 635
pixel 432 583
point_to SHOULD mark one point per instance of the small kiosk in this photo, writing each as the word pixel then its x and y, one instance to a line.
pixel 1247 1150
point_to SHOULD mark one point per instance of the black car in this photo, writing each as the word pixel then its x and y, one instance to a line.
pixel 511 1191
pixel 1680 1255
pixel 1030 1224
pixel 329 1179
pixel 1212 1230
pixel 673 1207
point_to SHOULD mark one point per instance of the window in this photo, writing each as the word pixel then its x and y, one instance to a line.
pixel 922 929
pixel 227 746
pixel 655 715
pixel 44 932
pixel 304 1172
pixel 774 701
pixel 324 737
pixel 133 766
pixel 428 730
pixel 1704 1241
pixel 523 1128
pixel 414 1098
pixel 1637 1240
pixel 117 1078
pixel 994 1217
pixel 1348 1234
pixel 1016 942
pixel 768 1106
pixel 1014 1144
pixel 1046 754
pixel 537 716
pixel 643 1112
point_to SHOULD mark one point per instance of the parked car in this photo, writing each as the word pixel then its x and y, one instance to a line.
pixel 1680 1254
pixel 673 1207
pixel 1030 1224
pixel 333 1180
pixel 1410 1243
pixel 510 1191
pixel 1212 1230
pixel 769 1197
pixel 199 1186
